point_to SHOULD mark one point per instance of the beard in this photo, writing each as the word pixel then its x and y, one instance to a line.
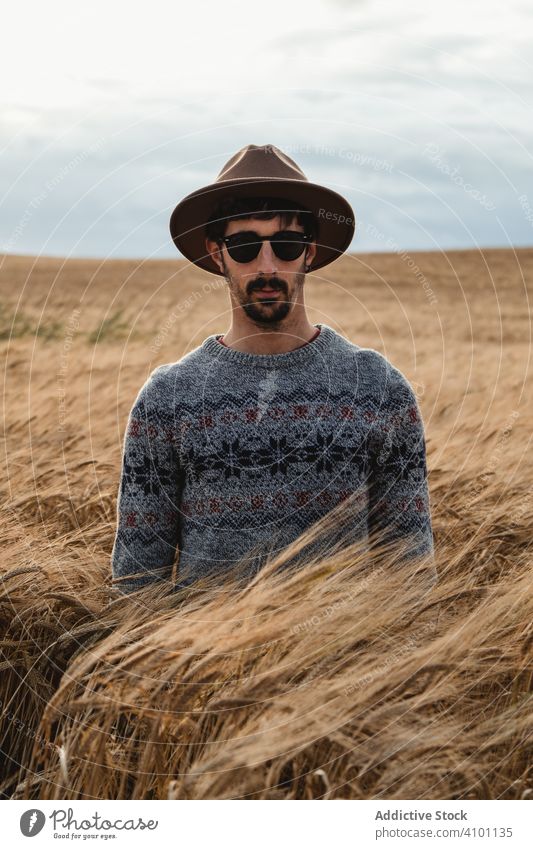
pixel 267 312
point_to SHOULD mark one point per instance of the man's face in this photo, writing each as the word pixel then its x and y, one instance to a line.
pixel 266 288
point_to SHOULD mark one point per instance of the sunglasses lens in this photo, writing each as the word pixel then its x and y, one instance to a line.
pixel 243 249
pixel 243 253
pixel 288 252
pixel 288 245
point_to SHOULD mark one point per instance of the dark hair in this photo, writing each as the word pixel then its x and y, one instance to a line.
pixel 232 208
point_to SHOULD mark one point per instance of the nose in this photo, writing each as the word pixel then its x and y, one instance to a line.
pixel 266 259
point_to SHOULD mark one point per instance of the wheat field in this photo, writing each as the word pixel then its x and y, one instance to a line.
pixel 334 681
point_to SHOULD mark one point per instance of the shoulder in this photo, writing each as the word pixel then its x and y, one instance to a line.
pixel 380 366
pixel 374 373
pixel 171 380
pixel 389 384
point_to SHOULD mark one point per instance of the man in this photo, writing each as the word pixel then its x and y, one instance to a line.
pixel 244 443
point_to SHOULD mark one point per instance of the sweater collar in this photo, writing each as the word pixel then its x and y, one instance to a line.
pixel 317 346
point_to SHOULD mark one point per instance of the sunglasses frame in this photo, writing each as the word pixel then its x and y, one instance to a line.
pixel 303 239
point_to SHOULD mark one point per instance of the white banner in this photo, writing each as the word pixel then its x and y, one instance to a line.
pixel 269 825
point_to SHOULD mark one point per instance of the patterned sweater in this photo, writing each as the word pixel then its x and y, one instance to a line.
pixel 229 456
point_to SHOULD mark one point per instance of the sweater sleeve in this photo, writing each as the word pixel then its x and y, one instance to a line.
pixel 399 504
pixel 147 529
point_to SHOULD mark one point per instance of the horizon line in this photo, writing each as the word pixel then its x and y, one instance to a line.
pixel 354 254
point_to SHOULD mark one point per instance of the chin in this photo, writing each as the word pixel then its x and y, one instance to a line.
pixel 267 314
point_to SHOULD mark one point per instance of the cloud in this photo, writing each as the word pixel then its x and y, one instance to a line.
pixel 355 95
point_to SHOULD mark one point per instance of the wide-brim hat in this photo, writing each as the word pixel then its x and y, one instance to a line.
pixel 263 171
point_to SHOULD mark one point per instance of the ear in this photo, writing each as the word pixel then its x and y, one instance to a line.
pixel 310 253
pixel 213 249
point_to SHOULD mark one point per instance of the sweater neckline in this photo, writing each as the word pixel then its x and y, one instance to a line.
pixel 220 339
pixel 308 351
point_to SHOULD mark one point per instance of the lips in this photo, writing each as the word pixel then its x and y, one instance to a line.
pixel 267 293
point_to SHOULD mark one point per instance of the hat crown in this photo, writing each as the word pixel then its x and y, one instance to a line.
pixel 266 162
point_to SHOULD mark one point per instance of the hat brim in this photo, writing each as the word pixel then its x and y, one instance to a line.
pixel 334 215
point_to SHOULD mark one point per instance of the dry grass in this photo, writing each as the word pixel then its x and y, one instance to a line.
pixel 340 680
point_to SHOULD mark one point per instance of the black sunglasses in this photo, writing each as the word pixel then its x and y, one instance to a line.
pixel 288 245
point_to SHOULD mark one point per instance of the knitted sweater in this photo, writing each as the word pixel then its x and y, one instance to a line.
pixel 229 456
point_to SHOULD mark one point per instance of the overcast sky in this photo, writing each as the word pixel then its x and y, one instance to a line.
pixel 419 114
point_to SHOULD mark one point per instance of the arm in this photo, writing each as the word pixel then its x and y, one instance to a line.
pixel 147 509
pixel 399 505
